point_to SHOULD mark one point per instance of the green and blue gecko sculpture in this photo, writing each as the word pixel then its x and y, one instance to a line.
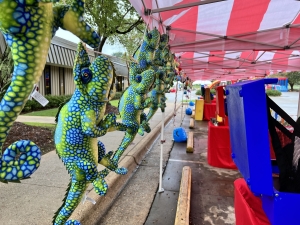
pixel 170 71
pixel 28 27
pixel 79 124
pixel 157 93
pixel 133 101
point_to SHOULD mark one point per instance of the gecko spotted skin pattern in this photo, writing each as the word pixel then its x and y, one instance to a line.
pixel 79 124
pixel 28 27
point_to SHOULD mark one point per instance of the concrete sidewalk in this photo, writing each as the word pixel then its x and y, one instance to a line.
pixel 35 200
pixel 36 119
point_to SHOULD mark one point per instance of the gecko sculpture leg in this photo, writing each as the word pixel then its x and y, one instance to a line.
pixel 79 124
pixel 158 100
pixel 28 27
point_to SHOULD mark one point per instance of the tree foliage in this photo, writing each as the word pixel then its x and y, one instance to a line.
pixel 118 54
pixel 112 19
pixel 6 69
pixel 131 41
pixel 293 78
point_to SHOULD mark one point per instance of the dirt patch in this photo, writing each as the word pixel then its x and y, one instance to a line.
pixel 111 109
pixel 42 137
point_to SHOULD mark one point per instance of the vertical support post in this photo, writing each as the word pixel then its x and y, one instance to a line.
pixel 162 141
pixel 182 106
pixel 298 112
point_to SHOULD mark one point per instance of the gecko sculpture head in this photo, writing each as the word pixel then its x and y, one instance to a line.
pixel 94 79
pixel 152 39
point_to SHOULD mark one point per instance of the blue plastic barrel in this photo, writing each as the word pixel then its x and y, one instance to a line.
pixel 191 103
pixel 179 135
pixel 188 111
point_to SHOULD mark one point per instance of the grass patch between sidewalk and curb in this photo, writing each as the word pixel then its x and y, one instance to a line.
pixel 45 125
pixel 53 112
pixel 114 102
pixel 47 112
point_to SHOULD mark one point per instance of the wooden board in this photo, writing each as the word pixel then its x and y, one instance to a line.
pixel 190 143
pixel 183 204
pixel 192 123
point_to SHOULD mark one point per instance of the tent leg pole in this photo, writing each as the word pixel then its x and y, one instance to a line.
pixel 160 189
pixel 182 106
pixel 298 113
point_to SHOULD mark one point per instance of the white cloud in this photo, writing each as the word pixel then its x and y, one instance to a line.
pixel 107 49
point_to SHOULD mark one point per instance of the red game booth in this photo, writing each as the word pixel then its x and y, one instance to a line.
pixel 218 147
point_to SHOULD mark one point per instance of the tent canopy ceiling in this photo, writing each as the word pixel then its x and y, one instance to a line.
pixel 216 38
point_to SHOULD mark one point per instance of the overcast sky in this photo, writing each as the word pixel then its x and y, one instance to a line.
pixel 107 49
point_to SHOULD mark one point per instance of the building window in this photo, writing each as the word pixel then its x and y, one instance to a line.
pixel 119 86
pixel 47 76
pixel 61 81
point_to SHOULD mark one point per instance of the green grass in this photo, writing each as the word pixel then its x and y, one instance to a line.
pixel 46 125
pixel 188 100
pixel 47 112
pixel 52 112
pixel 296 87
pixel 114 102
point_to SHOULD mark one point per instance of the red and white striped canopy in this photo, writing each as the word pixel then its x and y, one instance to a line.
pixel 232 38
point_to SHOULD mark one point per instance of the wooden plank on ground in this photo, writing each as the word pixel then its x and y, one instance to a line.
pixel 192 123
pixel 193 114
pixel 190 143
pixel 183 204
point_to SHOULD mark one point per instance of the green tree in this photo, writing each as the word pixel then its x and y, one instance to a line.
pixel 132 40
pixel 6 69
pixel 118 54
pixel 112 19
pixel 293 78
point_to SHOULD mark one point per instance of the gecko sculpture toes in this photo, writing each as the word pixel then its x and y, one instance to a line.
pixel 72 222
pixel 80 122
pixel 144 125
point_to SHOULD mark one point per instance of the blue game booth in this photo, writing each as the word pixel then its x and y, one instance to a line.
pixel 249 137
pixel 281 85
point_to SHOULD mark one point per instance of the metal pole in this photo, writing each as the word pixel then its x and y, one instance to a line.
pixel 298 113
pixel 162 141
pixel 182 105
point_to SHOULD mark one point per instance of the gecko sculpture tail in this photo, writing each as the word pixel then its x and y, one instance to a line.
pixel 28 27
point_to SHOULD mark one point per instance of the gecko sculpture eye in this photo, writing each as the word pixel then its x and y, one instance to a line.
pixel 149 35
pixel 86 75
pixel 161 75
pixel 138 78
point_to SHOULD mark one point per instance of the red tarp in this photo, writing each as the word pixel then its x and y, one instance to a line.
pixel 232 39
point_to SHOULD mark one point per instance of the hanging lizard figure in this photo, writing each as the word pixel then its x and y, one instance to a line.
pixel 28 27
pixel 157 93
pixel 79 124
pixel 145 55
pixel 170 71
pixel 133 101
